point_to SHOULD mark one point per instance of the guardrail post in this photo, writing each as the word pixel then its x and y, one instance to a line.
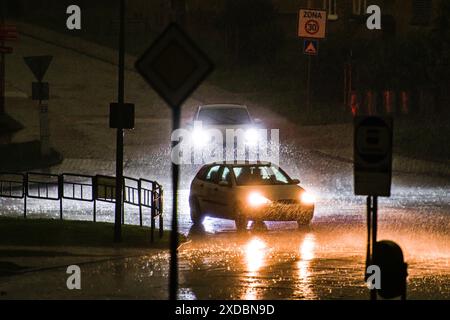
pixel 95 196
pixel 25 193
pixel 140 203
pixel 153 210
pixel 95 210
pixel 123 212
pixel 123 200
pixel 60 195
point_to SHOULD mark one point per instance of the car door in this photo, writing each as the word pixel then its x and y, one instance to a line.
pixel 223 193
pixel 207 202
pixel 198 185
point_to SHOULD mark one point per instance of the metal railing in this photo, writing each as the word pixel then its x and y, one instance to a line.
pixel 140 193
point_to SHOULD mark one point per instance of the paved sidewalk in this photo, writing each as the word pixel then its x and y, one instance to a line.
pixel 33 259
pixel 41 273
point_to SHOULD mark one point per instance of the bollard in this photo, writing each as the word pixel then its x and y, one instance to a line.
pixel 405 101
pixel 354 103
pixel 389 101
pixel 388 256
pixel 371 103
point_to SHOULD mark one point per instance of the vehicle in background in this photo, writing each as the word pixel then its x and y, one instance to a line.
pixel 223 117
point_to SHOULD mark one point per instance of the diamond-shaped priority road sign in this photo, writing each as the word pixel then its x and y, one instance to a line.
pixel 174 66
pixel 38 65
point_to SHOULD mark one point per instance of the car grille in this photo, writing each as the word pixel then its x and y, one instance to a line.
pixel 288 201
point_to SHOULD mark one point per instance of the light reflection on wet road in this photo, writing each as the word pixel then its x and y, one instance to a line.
pixel 324 262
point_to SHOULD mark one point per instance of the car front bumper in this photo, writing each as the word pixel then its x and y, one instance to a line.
pixel 281 212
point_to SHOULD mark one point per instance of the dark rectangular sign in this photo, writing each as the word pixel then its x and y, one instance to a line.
pixel 373 156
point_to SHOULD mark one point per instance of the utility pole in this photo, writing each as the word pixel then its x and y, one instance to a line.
pixel 120 132
pixel 308 86
pixel 372 229
pixel 2 59
pixel 44 126
pixel 178 8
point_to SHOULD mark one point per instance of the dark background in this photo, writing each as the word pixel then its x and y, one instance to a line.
pixel 257 54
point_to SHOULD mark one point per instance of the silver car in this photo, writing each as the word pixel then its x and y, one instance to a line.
pixel 243 191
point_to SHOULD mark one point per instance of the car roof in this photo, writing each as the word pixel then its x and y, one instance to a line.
pixel 223 105
pixel 240 163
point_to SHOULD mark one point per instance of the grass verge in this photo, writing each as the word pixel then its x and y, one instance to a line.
pixel 40 232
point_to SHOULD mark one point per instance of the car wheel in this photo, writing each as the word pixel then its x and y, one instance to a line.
pixel 196 213
pixel 259 225
pixel 305 221
pixel 241 221
pixel 302 224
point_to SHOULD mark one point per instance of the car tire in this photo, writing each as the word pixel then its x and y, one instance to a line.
pixel 197 216
pixel 241 221
pixel 259 225
pixel 305 221
pixel 302 224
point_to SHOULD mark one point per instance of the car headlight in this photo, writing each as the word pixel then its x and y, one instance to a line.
pixel 307 198
pixel 251 137
pixel 200 137
pixel 255 199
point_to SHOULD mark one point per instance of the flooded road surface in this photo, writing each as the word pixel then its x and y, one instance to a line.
pixel 326 261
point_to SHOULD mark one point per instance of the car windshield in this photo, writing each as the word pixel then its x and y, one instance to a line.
pixel 224 116
pixel 260 175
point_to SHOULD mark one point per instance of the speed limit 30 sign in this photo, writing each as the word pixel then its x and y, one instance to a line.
pixel 312 24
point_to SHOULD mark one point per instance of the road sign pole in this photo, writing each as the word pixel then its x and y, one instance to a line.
pixel 308 86
pixel 372 229
pixel 119 142
pixel 350 81
pixel 174 67
pixel 44 128
pixel 312 26
pixel 369 234
pixel 174 241
pixel 2 81
pixel 2 60
pixel 373 293
pixel 179 7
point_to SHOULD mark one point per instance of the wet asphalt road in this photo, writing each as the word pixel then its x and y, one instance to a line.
pixel 325 261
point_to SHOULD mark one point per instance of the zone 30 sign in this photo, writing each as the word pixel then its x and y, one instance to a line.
pixel 312 24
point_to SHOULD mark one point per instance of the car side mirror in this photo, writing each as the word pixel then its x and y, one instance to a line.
pixel 224 184
pixel 295 181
